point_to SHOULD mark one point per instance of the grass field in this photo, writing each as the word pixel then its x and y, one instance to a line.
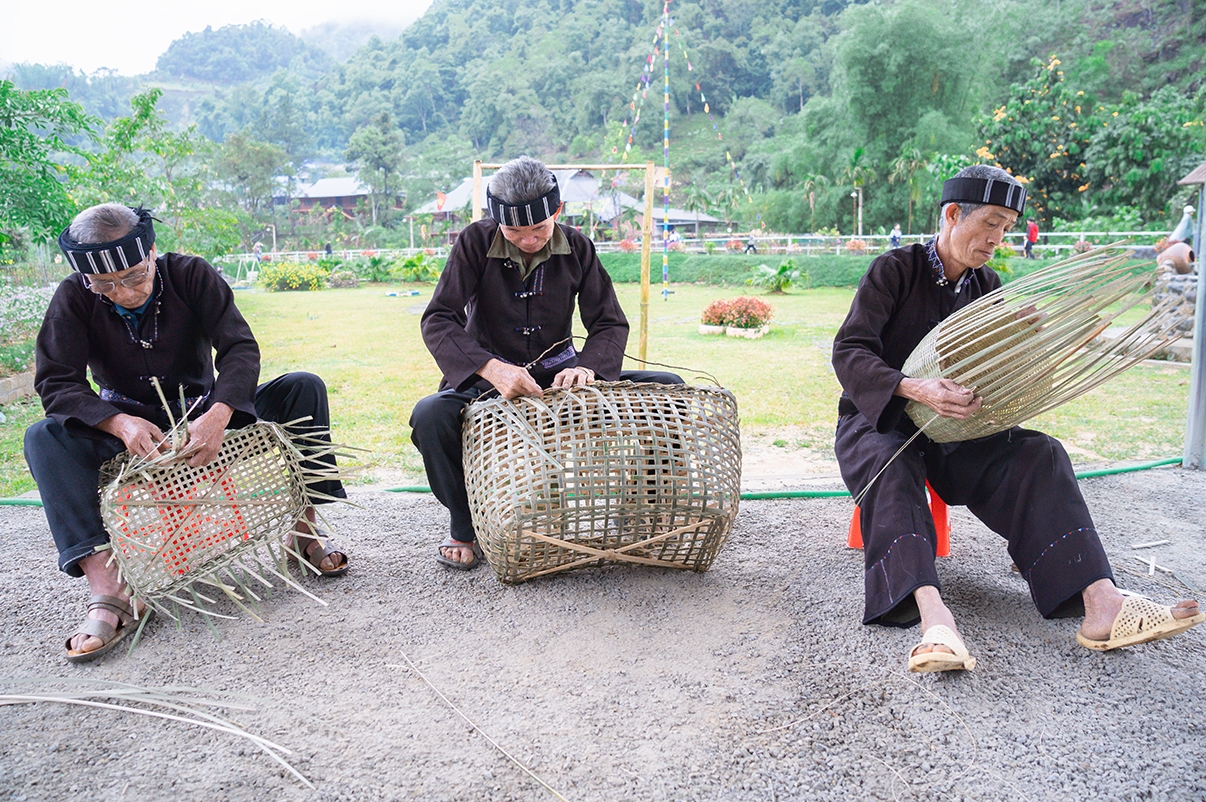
pixel 367 347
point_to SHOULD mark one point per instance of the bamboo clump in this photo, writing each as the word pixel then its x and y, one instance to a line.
pixel 1032 345
pixel 647 474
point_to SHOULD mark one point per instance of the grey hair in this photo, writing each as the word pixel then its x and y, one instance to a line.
pixel 974 171
pixel 103 223
pixel 521 180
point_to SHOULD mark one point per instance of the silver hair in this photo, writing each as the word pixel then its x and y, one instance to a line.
pixel 103 223
pixel 521 180
pixel 974 171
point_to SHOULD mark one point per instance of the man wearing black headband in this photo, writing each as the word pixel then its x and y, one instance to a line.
pixel 501 318
pixel 1020 483
pixel 127 316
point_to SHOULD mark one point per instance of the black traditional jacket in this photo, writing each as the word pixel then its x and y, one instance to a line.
pixel 897 303
pixel 191 324
pixel 482 309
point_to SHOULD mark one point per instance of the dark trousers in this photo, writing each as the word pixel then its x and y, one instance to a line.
pixel 1020 483
pixel 436 431
pixel 65 462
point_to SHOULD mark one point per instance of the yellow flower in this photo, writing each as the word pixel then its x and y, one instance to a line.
pixel 1055 117
pixel 985 153
pixel 1082 187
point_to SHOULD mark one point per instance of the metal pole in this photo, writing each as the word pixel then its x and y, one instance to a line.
pixel 1195 427
pixel 860 212
pixel 475 210
pixel 412 231
pixel 646 242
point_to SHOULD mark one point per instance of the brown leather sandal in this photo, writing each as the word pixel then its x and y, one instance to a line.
pixel 316 550
pixel 109 635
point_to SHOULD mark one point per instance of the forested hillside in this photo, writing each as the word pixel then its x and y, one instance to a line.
pixel 1098 104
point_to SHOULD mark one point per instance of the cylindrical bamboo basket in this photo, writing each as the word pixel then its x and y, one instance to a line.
pixel 648 474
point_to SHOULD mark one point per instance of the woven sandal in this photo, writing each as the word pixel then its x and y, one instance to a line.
pixel 110 635
pixel 1140 620
pixel 929 662
pixel 314 556
pixel 478 555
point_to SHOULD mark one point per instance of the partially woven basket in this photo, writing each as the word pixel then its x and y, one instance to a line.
pixel 1031 345
pixel 648 474
pixel 174 528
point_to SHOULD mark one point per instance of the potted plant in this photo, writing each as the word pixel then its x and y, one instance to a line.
pixel 715 317
pixel 748 317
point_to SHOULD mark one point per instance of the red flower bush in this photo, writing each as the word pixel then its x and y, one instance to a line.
pixel 628 245
pixel 749 313
pixel 716 313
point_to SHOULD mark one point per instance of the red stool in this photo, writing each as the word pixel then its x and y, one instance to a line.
pixel 942 525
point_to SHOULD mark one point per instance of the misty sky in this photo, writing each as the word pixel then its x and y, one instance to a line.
pixel 129 36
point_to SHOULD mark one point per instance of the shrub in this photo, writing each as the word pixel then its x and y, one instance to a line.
pixel 749 313
pixel 628 245
pixel 1082 246
pixel 716 313
pixel 345 279
pixel 21 313
pixel 293 276
pixel 735 245
pixel 776 280
pixel 375 268
pixel 419 267
pixel 856 246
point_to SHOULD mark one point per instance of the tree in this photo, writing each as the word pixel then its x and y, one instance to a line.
pixel 251 168
pixel 906 168
pixel 1041 135
pixel 142 163
pixel 33 126
pixel 810 183
pixel 376 151
pixel 1143 147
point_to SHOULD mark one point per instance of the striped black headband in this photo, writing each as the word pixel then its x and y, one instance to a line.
pixel 110 257
pixel 528 213
pixel 984 190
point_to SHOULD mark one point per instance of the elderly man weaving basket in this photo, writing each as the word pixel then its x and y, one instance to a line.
pixel 131 316
pixel 1020 483
pixel 501 318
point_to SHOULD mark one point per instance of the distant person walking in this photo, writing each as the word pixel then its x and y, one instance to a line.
pixel 894 237
pixel 1031 237
pixel 258 252
pixel 749 243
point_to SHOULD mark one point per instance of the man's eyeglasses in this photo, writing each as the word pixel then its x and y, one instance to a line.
pixel 101 287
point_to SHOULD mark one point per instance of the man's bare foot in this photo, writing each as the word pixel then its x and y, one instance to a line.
pixel 1103 601
pixel 102 581
pixel 933 612
pixel 461 553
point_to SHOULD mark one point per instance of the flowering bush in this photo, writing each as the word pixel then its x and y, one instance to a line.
pixel 293 276
pixel 21 313
pixel 1161 245
pixel 735 245
pixel 716 313
pixel 749 313
pixel 628 245
pixel 856 246
pixel 345 279
pixel 1082 246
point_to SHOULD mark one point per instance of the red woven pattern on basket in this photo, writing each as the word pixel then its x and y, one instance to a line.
pixel 183 528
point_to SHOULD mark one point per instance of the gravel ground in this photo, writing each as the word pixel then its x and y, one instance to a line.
pixel 754 681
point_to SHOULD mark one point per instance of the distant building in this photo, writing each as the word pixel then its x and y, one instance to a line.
pixel 334 193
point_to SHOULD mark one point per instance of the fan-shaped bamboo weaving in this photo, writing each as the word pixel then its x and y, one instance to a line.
pixel 612 472
pixel 1031 345
pixel 173 527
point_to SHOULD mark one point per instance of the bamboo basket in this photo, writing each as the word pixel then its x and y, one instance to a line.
pixel 647 474
pixel 1032 344
pixel 175 529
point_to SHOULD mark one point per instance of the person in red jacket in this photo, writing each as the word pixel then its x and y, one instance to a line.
pixel 1031 237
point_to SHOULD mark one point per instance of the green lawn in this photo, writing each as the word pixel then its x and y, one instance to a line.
pixel 366 345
